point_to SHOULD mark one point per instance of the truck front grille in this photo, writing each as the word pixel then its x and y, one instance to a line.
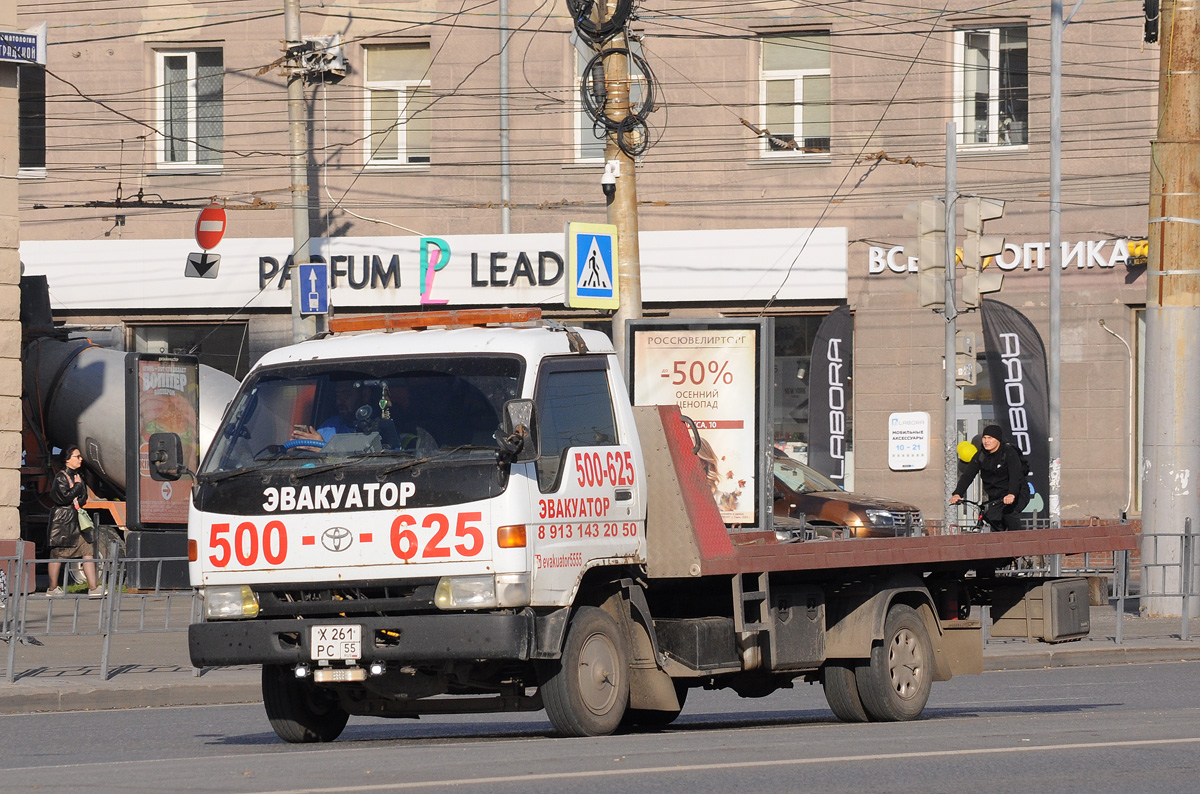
pixel 346 599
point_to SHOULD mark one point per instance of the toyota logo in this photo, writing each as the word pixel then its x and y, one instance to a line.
pixel 337 539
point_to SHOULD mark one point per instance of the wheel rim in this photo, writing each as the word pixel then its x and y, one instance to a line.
pixel 906 664
pixel 597 674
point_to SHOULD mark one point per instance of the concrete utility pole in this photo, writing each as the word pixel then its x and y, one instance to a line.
pixel 1171 445
pixel 950 433
pixel 622 212
pixel 1054 364
pixel 302 327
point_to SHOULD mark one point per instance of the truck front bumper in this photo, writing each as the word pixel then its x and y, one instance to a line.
pixel 409 638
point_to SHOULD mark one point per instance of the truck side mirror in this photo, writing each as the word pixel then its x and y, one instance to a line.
pixel 517 435
pixel 166 457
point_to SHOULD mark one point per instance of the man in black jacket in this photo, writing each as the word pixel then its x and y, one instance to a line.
pixel 999 468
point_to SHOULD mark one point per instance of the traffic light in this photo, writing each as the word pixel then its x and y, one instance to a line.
pixel 929 249
pixel 977 247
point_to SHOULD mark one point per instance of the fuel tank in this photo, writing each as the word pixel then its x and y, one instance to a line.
pixel 77 391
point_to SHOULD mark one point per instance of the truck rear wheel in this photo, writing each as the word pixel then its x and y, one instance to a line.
pixel 586 691
pixel 300 711
pixel 895 685
pixel 841 690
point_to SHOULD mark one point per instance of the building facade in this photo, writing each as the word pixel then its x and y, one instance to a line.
pixel 782 145
pixel 10 323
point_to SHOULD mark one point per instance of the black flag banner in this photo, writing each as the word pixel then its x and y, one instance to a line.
pixel 1016 360
pixel 829 395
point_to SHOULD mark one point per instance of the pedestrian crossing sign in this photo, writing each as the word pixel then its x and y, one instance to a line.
pixel 592 271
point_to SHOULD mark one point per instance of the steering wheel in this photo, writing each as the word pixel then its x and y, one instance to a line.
pixel 304 442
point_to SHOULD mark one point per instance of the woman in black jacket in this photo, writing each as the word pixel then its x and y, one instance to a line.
pixel 67 542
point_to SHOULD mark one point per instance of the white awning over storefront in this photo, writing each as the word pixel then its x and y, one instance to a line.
pixel 719 266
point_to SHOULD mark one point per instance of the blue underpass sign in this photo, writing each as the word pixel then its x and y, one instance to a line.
pixel 592 269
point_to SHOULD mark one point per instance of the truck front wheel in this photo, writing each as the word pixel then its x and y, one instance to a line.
pixel 300 711
pixel 586 691
pixel 895 684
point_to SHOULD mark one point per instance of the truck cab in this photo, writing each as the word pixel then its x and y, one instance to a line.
pixel 432 541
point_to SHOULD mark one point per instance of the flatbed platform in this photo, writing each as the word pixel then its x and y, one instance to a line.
pixel 686 536
pixel 747 554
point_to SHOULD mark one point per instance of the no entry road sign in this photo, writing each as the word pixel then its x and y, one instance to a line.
pixel 210 226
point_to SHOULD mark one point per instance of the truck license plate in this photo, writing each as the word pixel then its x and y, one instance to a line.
pixel 336 642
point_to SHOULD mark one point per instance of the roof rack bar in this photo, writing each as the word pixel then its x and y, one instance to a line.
pixel 419 320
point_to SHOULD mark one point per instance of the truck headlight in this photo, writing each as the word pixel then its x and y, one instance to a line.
pixel 229 603
pixel 482 592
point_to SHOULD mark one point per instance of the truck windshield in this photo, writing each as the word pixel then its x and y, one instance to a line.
pixel 313 414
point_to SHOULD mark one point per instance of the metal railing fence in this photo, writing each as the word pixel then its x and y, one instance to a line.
pixel 29 615
pixel 1170 577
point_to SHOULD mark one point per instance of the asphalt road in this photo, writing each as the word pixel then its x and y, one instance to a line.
pixel 1120 728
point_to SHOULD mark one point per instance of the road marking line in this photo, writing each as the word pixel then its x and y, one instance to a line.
pixel 480 781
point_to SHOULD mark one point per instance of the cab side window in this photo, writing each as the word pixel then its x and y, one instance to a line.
pixel 574 410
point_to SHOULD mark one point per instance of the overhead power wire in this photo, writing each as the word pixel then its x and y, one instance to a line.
pixel 553 160
pixel 846 175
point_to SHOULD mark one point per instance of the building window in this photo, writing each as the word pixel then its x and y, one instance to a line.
pixel 590 135
pixel 992 86
pixel 398 105
pixel 795 93
pixel 190 107
pixel 31 116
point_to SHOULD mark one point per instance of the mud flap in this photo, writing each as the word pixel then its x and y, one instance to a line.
pixel 649 687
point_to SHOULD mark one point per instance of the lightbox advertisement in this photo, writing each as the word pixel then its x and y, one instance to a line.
pixel 711 374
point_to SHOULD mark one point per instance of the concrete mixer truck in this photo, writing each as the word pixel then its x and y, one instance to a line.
pixel 108 402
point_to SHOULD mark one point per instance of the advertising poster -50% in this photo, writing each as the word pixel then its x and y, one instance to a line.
pixel 710 375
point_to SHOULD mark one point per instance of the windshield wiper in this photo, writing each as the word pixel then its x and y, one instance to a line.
pixel 445 453
pixel 383 453
pixel 220 476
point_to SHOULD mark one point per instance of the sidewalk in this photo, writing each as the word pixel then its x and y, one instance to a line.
pixel 1143 640
pixel 152 668
pixel 147 665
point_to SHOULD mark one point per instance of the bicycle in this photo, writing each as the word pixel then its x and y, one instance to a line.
pixel 982 524
pixel 1022 566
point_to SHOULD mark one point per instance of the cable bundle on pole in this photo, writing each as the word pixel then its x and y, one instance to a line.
pixel 631 130
pixel 587 15
pixel 628 128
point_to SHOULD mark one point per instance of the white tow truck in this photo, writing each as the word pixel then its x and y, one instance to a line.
pixel 492 526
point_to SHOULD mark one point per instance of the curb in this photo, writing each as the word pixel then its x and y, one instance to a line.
pixel 1089 656
pixel 97 697
pixel 39 697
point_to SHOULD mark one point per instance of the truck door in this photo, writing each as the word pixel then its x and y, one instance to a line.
pixel 586 478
